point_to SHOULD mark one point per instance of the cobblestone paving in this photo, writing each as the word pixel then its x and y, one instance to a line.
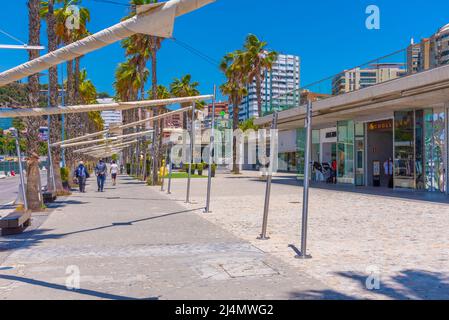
pixel 354 238
pixel 133 242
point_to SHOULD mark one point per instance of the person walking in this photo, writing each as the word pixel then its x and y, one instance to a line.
pixel 81 174
pixel 114 172
pixel 101 171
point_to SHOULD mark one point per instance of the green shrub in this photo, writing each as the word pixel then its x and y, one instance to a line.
pixel 200 168
pixel 186 167
pixel 64 174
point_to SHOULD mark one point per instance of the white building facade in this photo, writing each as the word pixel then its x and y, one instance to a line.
pixel 111 116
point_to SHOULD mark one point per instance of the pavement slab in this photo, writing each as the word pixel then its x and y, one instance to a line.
pixel 135 242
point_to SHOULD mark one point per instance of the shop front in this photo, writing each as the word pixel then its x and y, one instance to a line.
pixel 407 150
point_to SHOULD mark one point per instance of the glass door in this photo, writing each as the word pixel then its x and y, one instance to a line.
pixel 360 154
pixel 345 152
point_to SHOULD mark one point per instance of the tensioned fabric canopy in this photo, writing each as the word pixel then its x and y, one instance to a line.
pixel 35 112
pixel 128 125
pixel 153 19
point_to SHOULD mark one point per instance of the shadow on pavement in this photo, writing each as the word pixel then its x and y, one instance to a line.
pixel 406 285
pixel 33 238
pixel 383 192
pixel 88 292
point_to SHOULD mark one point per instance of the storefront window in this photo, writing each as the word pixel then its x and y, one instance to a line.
pixel 439 150
pixel 345 152
pixel 404 154
pixel 315 146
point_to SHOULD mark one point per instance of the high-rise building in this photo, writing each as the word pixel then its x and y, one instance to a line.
pixel 282 79
pixel 430 52
pixel 358 78
pixel 111 116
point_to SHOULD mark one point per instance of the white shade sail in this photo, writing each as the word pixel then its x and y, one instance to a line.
pixel 132 135
pixel 35 112
pixel 156 19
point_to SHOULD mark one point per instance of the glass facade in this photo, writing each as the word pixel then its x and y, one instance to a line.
pixel 345 151
pixel 404 150
pixel 301 151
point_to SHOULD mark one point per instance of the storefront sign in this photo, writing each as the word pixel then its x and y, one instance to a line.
pixel 380 125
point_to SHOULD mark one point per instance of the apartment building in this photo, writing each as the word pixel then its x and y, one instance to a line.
pixel 359 78
pixel 283 78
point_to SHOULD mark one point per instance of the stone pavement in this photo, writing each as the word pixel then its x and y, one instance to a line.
pixel 135 242
pixel 402 239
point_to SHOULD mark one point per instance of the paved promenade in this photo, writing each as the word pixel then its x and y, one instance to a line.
pixel 135 242
pixel 402 240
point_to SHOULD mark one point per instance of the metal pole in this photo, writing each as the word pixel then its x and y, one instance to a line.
pixel 263 235
pixel 305 206
pixel 62 117
pixel 192 144
pixel 163 172
pixel 211 150
pixel 170 171
pixel 50 161
pixel 22 179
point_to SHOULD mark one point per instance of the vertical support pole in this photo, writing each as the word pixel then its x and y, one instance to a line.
pixel 305 204
pixel 211 151
pixel 62 116
pixel 50 161
pixel 263 235
pixel 170 170
pixel 192 144
pixel 22 179
pixel 163 171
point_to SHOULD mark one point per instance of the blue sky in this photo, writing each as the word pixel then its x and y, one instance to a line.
pixel 328 35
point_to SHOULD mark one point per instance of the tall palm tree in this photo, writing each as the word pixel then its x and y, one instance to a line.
pixel 32 124
pixel 235 68
pixel 47 13
pixel 259 60
pixel 161 93
pixel 184 87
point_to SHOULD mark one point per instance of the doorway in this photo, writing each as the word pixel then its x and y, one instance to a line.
pixel 380 153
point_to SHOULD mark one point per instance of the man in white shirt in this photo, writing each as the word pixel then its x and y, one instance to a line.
pixel 114 172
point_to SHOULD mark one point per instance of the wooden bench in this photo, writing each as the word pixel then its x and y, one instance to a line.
pixel 15 223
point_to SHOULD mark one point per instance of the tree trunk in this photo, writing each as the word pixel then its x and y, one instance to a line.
pixel 156 147
pixel 259 93
pixel 32 124
pixel 235 126
pixel 55 121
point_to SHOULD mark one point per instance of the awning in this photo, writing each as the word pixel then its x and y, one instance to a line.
pixel 156 19
pixel 35 112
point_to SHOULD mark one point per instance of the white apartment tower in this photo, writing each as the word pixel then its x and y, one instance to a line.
pixel 282 79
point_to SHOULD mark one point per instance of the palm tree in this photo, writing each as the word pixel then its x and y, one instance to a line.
pixel 47 13
pixel 259 60
pixel 235 68
pixel 184 87
pixel 161 93
pixel 32 124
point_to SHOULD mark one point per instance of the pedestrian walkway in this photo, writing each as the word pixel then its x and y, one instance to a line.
pixel 134 242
